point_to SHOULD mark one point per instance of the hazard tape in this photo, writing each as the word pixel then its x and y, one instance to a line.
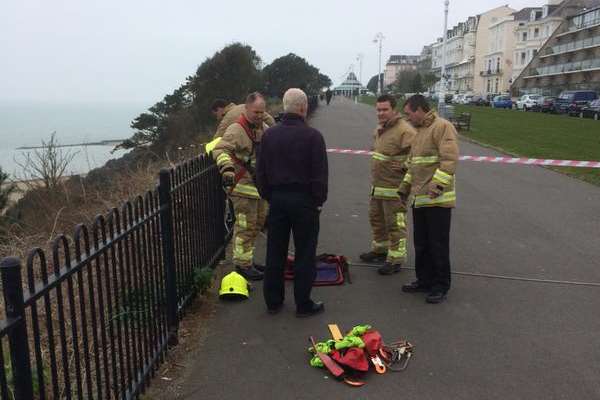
pixel 499 160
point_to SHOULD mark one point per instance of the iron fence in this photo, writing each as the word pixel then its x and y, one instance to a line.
pixel 94 320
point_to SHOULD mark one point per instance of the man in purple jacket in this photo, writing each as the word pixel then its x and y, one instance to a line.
pixel 292 175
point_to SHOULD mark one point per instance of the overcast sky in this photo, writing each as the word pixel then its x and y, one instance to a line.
pixel 137 51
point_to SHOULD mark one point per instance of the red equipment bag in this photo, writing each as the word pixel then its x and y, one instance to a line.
pixel 331 270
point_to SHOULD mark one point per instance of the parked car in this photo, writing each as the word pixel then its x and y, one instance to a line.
pixel 502 102
pixel 479 101
pixel 528 101
pixel 571 101
pixel 546 105
pixel 467 99
pixel 457 98
pixel 592 110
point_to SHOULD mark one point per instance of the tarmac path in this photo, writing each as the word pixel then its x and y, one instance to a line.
pixel 491 339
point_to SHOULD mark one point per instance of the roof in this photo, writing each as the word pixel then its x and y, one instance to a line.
pixel 524 14
pixel 403 59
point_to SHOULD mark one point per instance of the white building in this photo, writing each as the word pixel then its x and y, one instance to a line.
pixel 535 26
pixel 467 45
pixel 497 62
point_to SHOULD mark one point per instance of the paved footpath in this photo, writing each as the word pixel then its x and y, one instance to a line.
pixel 492 339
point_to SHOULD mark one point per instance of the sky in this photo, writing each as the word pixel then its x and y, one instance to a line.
pixel 110 51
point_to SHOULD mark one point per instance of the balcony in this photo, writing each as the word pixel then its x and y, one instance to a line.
pixel 570 47
pixel 566 68
pixel 491 72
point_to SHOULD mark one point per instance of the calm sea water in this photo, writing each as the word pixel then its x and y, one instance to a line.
pixel 27 124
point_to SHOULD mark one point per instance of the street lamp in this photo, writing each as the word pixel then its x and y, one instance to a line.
pixel 443 82
pixel 379 38
pixel 359 58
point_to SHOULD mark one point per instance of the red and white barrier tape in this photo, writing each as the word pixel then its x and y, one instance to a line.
pixel 500 160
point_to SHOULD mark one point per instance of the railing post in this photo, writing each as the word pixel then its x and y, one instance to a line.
pixel 10 271
pixel 168 251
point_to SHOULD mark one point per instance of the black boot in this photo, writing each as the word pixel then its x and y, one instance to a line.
pixel 373 258
pixel 250 273
pixel 389 268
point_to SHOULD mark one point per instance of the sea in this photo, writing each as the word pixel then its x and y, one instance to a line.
pixel 30 123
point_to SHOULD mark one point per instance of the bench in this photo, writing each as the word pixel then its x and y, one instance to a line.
pixel 462 121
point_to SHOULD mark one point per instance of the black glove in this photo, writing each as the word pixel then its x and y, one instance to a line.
pixel 228 179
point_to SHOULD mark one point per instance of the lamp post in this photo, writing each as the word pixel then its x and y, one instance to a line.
pixel 379 39
pixel 443 82
pixel 359 58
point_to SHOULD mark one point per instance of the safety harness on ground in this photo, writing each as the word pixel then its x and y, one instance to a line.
pixel 350 357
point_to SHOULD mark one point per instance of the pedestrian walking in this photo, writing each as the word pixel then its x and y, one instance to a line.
pixel 430 184
pixel 235 154
pixel 292 175
pixel 328 96
pixel 387 212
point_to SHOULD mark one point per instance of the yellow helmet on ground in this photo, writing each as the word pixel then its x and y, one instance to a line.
pixel 234 285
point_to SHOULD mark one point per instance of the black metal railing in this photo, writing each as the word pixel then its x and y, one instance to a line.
pixel 95 319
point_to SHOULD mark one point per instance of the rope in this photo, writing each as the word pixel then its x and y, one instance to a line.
pixel 504 277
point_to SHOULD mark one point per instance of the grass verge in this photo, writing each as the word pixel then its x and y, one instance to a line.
pixel 535 135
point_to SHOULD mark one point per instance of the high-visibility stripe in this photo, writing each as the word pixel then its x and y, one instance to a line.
pixel 424 160
pixel 210 146
pixel 442 177
pixel 238 251
pixel 400 220
pixel 223 158
pixel 388 193
pixel 425 200
pixel 248 190
pixel 407 178
pixel 241 221
pixel 383 157
pixel 398 252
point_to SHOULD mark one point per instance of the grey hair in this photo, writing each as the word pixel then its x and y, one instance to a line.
pixel 293 100
pixel 252 97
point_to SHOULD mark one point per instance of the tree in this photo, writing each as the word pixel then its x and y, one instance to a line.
pixel 408 82
pixel 6 189
pixel 373 84
pixel 293 71
pixel 231 74
pixel 48 164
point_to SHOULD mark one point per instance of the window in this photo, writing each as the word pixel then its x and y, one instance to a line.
pixel 498 64
pixel 524 36
pixel 489 84
pixel 536 32
pixel 534 52
pixel 523 58
pixel 496 85
pixel 547 31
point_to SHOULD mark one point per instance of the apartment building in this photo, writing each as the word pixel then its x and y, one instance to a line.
pixel 497 63
pixel 467 45
pixel 397 64
pixel 535 26
pixel 570 58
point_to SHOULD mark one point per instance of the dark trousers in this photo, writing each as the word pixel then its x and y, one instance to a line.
pixel 291 212
pixel 431 226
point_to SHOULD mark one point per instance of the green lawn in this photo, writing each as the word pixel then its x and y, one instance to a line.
pixel 538 135
pixel 535 135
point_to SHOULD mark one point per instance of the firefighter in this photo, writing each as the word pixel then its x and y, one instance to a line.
pixel 235 155
pixel 430 183
pixel 392 140
pixel 228 113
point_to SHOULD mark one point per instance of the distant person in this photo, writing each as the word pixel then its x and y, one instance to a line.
pixel 387 212
pixel 292 175
pixel 235 155
pixel 228 113
pixel 430 183
pixel 328 96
